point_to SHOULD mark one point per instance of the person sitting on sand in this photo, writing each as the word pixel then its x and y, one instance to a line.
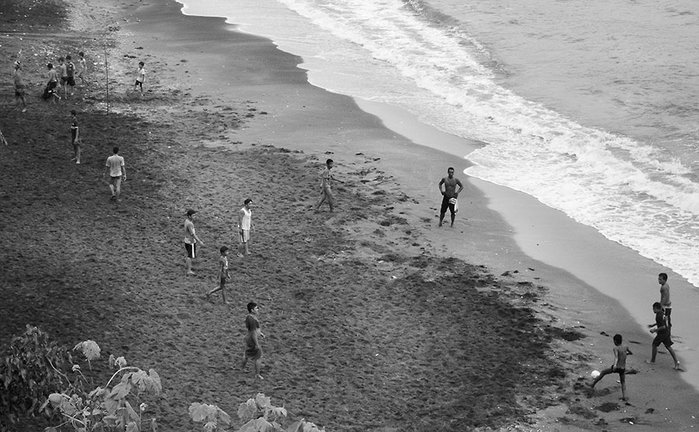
pixel 20 88
pixel 223 274
pixel 326 194
pixel 117 173
pixel 191 240
pixel 253 350
pixel 245 226
pixel 619 365
pixel 449 195
pixel 662 335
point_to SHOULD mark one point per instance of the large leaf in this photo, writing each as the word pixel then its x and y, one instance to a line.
pixel 120 391
pixel 223 417
pixel 257 425
pixel 200 412
pixel 131 427
pixel 158 386
pixel 89 348
pixel 263 401
pixel 132 413
pixel 247 410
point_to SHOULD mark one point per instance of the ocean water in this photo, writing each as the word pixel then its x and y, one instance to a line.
pixel 590 106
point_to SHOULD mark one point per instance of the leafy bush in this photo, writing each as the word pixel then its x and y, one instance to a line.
pixel 108 408
pixel 29 373
pixel 257 415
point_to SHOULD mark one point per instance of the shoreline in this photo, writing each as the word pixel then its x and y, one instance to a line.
pixel 251 106
pixel 396 152
pixel 562 271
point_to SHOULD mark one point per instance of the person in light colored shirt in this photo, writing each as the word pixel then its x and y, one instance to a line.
pixel 117 173
pixel 245 226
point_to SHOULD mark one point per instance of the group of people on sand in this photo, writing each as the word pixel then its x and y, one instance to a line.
pixel 64 75
pixel 661 328
pixel 62 78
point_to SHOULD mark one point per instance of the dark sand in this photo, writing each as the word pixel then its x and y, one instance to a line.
pixel 367 328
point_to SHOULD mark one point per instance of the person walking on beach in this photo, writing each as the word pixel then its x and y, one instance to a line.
pixel 75 136
pixel 619 366
pixel 665 298
pixel 447 187
pixel 223 274
pixel 191 240
pixel 253 350
pixel 82 67
pixel 117 173
pixel 326 179
pixel 140 77
pixel 662 335
pixel 63 73
pixel 50 90
pixel 70 76
pixel 20 88
pixel 244 227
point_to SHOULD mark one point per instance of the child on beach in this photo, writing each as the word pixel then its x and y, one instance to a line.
pixel 20 88
pixel 665 298
pixel 75 136
pixel 326 194
pixel 70 76
pixel 82 67
pixel 223 274
pixel 50 90
pixel 244 227
pixel 140 77
pixel 619 365
pixel 253 351
pixel 662 335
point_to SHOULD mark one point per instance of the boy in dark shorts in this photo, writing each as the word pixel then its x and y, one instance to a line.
pixel 447 187
pixel 223 274
pixel 619 365
pixel 70 76
pixel 75 136
pixel 662 335
pixel 253 351
pixel 140 77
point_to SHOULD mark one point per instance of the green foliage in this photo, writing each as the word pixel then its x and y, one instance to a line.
pixel 29 373
pixel 257 415
pixel 108 408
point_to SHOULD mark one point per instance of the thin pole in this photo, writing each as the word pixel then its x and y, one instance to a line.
pixel 106 71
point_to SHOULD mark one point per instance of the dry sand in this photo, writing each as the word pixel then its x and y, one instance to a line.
pixel 371 323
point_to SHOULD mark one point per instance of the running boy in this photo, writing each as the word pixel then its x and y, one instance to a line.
pixel 223 274
pixel 619 365
pixel 253 351
pixel 662 335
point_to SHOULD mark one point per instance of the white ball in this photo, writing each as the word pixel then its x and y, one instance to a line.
pixel 594 374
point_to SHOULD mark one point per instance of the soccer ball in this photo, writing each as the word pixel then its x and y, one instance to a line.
pixel 594 374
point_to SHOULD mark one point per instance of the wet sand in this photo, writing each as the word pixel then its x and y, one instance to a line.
pixel 368 304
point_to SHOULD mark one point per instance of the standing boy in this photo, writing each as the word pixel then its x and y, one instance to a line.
pixel 662 335
pixel 63 73
pixel 449 195
pixel 140 77
pixel 665 298
pixel 326 194
pixel 619 365
pixel 70 74
pixel 253 350
pixel 82 67
pixel 191 240
pixel 20 88
pixel 75 136
pixel 223 274
pixel 117 173
pixel 244 226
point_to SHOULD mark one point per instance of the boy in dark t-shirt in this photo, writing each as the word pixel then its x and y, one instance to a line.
pixel 253 351
pixel 662 335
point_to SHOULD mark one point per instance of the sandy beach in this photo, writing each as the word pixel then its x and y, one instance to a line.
pixel 376 319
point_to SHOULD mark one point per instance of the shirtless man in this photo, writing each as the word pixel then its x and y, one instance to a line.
pixel 191 240
pixel 665 298
pixel 326 194
pixel 449 193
